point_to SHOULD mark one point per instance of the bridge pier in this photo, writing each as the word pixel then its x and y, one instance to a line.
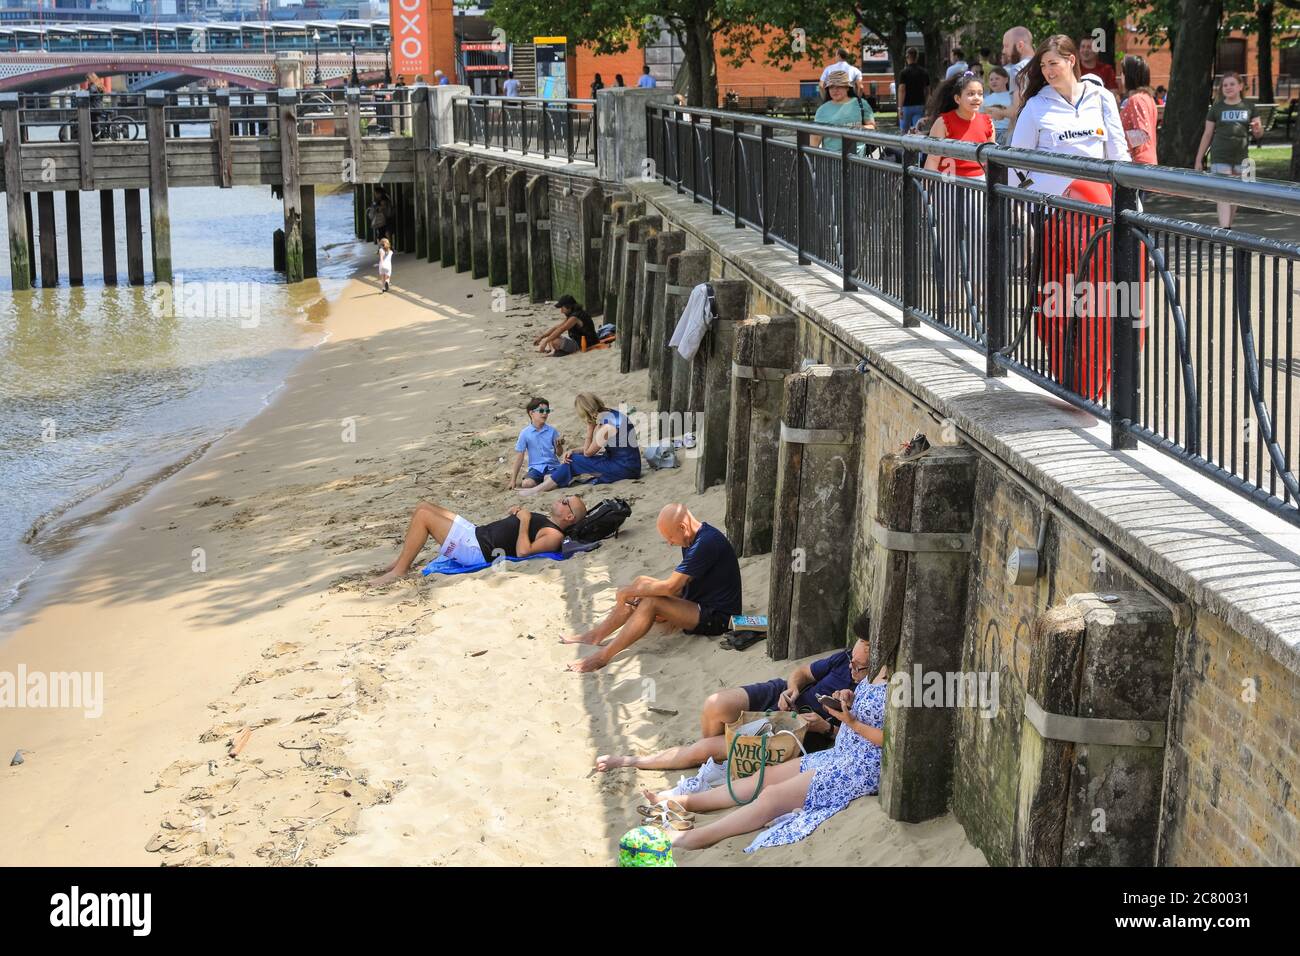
pixel 134 238
pixel 108 236
pixel 48 240
pixel 19 247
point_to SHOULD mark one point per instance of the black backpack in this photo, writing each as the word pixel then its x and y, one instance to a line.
pixel 601 521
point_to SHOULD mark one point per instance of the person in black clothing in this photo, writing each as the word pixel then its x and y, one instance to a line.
pixel 700 596
pixel 913 85
pixel 571 334
pixel 517 535
pixel 596 86
pixel 618 80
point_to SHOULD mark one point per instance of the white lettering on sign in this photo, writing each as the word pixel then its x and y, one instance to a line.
pixel 411 35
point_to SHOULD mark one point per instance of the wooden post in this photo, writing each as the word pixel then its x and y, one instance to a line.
pixel 134 237
pixel 225 157
pixel 686 270
pixel 30 218
pixel 108 235
pixel 354 169
pixel 308 231
pixel 1092 743
pixel 461 227
pixel 763 355
pixel 447 202
pixel 732 298
pixel 590 204
pixel 541 278
pixel 49 240
pixel 517 231
pixel 72 213
pixel 922 548
pixel 622 211
pixel 627 311
pixel 643 297
pixel 669 244
pixel 419 100
pixel 478 220
pixel 19 246
pixel 604 265
pixel 85 141
pixel 498 216
pixel 816 499
pixel 287 106
pixel 160 227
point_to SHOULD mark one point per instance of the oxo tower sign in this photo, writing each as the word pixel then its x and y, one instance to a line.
pixel 410 30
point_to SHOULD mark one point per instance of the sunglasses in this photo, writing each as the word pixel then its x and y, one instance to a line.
pixel 543 409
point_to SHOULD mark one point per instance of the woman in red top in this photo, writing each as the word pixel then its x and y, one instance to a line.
pixel 1138 112
pixel 955 108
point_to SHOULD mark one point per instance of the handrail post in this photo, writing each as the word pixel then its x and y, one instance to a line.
pixel 997 254
pixel 568 129
pixel 800 203
pixel 713 165
pixel 909 252
pixel 736 128
pixel 695 157
pixel 764 134
pixel 846 241
pixel 546 133
pixel 1126 273
pixel 85 140
pixel 353 97
pixel 15 202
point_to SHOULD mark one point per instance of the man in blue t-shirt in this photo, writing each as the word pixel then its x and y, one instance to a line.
pixel 843 670
pixel 700 596
pixel 647 82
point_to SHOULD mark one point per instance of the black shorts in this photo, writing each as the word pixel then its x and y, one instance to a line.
pixel 712 623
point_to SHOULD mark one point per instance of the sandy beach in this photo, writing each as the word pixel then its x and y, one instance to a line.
pixel 429 723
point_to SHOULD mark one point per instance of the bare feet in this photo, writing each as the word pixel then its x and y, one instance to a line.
pixel 527 492
pixel 388 577
pixel 613 762
pixel 588 664
pixel 587 638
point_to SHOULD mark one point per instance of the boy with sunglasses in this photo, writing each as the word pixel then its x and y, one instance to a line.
pixel 540 442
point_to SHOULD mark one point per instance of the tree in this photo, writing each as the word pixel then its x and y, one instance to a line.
pixel 1190 81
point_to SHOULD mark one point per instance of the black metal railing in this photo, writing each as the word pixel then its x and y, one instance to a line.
pixel 530 126
pixel 1182 336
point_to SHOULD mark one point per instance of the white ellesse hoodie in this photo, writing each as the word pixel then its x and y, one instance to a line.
pixel 1088 128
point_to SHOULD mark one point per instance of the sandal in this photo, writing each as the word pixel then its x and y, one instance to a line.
pixel 671 806
pixel 741 640
pixel 668 820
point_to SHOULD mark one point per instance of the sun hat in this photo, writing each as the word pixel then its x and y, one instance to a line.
pixel 839 78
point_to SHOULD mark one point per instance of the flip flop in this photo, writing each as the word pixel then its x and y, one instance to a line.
pixel 741 640
pixel 671 806
pixel 668 820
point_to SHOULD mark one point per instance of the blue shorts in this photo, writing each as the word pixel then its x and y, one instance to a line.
pixel 537 475
pixel 764 696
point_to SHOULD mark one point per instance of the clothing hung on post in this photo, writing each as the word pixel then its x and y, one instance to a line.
pixel 699 312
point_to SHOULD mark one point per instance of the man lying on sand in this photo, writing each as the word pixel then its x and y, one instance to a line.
pixel 840 671
pixel 700 596
pixel 517 535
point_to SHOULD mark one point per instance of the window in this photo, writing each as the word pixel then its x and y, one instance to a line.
pixel 1289 61
pixel 664 57
pixel 1232 55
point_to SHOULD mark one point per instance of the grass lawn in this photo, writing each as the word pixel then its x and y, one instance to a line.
pixel 1272 162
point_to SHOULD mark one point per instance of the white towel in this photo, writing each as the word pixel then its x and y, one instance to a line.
pixel 693 323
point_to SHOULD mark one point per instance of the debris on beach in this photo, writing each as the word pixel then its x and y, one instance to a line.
pixel 18 758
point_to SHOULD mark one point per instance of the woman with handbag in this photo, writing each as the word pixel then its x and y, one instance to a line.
pixel 806 792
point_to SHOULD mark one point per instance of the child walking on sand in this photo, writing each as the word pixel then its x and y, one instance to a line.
pixel 385 263
pixel 541 442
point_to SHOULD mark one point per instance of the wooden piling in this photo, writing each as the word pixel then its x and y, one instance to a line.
pixel 72 213
pixel 643 298
pixel 461 221
pixel 134 237
pixel 49 240
pixel 590 227
pixel 686 270
pixel 732 298
pixel 85 141
pixel 19 244
pixel 225 156
pixel 160 228
pixel 308 231
pixel 478 220
pixel 287 103
pixel 517 231
pixel 108 235
pixel 669 244
pixel 498 214
pixel 541 279
pixel 447 203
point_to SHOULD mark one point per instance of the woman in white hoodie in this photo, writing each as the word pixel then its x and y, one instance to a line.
pixel 1064 113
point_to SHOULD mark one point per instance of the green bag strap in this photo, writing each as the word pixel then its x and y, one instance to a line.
pixel 762 771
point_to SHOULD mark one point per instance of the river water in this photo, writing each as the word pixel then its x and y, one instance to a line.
pixel 105 390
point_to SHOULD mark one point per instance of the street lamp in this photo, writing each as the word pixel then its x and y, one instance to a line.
pixel 388 74
pixel 355 80
pixel 315 36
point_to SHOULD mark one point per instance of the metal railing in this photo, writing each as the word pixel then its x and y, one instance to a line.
pixel 1180 335
pixel 544 127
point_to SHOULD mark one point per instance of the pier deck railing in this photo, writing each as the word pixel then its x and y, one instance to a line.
pixel 1180 335
pixel 560 128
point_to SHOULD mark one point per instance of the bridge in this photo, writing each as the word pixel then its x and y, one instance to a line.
pixel 44 58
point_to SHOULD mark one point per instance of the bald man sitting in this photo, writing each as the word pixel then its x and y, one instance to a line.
pixel 700 596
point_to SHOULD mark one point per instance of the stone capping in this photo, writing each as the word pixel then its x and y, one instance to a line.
pixel 532 162
pixel 1195 538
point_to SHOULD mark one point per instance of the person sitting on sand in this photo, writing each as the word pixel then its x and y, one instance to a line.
pixel 700 596
pixel 818 785
pixel 610 452
pixel 540 442
pixel 517 535
pixel 798 693
pixel 572 333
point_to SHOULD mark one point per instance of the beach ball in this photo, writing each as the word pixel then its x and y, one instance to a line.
pixel 645 846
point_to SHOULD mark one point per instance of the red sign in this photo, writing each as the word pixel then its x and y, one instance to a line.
pixel 409 23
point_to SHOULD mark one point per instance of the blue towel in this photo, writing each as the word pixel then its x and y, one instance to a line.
pixel 450 566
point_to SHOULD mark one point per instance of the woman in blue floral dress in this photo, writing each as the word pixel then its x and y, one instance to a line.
pixel 805 793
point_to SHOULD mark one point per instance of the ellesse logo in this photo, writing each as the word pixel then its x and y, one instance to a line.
pixel 1072 134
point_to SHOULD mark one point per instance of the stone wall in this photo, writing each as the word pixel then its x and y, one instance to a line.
pixel 1230 764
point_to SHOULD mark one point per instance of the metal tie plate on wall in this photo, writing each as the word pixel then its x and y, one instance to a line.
pixel 655 267
pixel 949 542
pixel 760 372
pixel 1094 730
pixel 544 225
pixel 671 289
pixel 521 217
pixel 634 246
pixel 816 436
